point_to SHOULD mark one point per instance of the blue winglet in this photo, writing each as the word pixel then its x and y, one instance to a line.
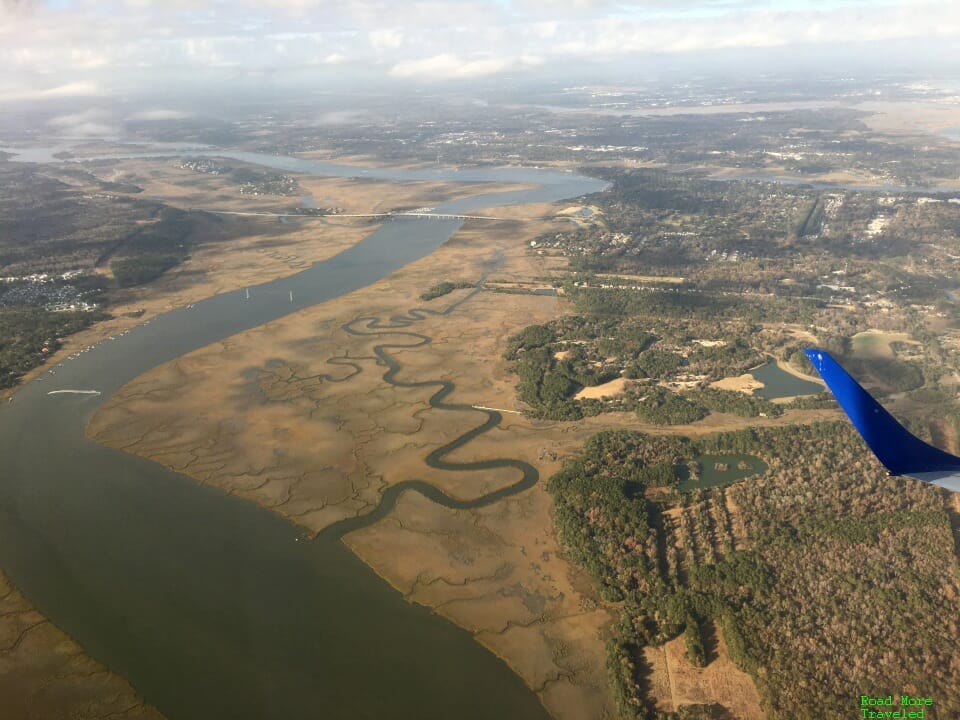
pixel 899 451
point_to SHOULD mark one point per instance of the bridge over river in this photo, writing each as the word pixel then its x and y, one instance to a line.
pixel 420 215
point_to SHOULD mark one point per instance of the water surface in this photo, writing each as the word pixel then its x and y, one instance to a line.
pixel 722 470
pixel 778 383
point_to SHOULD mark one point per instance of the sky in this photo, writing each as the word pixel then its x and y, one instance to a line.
pixel 64 48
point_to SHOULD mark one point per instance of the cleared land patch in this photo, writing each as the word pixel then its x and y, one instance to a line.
pixel 608 389
pixel 745 383
pixel 877 344
pixel 675 682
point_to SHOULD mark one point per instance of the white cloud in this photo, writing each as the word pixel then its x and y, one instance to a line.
pixel 161 114
pixel 340 117
pixel 447 66
pixel 74 89
pixel 428 38
pixel 67 90
pixel 79 118
pixel 89 123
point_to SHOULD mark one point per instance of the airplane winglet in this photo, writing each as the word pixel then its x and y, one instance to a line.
pixel 900 452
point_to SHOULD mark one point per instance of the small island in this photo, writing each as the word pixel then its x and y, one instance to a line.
pixel 445 288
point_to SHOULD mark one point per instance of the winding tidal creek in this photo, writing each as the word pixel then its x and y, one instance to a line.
pixel 204 602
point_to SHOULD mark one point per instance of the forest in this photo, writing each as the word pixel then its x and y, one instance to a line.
pixel 58 230
pixel 823 574
pixel 553 362
pixel 445 287
pixel 47 225
pixel 26 331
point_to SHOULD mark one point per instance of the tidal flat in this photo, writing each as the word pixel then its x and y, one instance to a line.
pixel 297 416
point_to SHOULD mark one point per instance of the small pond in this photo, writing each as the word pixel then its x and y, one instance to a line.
pixel 778 383
pixel 721 470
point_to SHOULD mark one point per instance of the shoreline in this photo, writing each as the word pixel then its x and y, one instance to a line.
pixel 44 672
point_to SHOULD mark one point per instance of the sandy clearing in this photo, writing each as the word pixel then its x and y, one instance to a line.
pixel 720 681
pixel 745 383
pixel 608 389
pixel 665 279
pixel 791 370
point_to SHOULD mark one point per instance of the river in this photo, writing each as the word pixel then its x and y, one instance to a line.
pixel 207 603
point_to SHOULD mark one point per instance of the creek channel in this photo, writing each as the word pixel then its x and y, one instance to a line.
pixel 204 602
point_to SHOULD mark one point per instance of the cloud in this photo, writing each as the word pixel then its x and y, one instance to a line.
pixel 340 117
pixel 78 118
pixel 448 67
pixel 161 114
pixel 89 123
pixel 74 89
pixel 67 90
pixel 615 37
pixel 426 39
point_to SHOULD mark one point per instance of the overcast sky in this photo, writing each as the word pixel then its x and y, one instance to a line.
pixel 60 48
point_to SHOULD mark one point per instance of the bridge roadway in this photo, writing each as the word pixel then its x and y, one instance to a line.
pixel 440 216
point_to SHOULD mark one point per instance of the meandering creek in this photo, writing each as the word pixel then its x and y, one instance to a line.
pixel 207 603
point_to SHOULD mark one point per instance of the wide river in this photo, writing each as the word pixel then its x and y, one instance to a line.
pixel 205 602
